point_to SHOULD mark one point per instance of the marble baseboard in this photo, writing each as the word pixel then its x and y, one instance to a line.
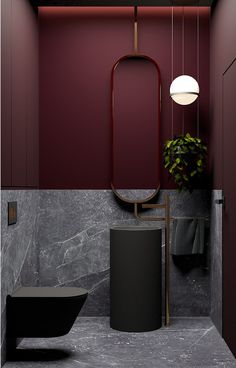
pixel 216 260
pixel 73 240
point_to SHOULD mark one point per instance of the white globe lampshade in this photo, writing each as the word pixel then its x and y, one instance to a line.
pixel 184 90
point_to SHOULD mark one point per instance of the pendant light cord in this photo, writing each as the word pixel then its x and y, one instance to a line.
pixel 135 29
pixel 183 63
pixel 172 70
pixel 198 70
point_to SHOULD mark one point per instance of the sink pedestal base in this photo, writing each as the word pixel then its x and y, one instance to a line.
pixel 135 279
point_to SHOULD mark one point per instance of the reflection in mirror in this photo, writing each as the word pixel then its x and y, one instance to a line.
pixel 135 128
pixel 135 195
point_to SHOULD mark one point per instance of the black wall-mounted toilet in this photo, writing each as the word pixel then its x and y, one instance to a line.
pixel 43 311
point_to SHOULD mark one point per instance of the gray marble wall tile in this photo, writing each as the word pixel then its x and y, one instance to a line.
pixel 216 260
pixel 73 240
pixel 62 239
pixel 19 260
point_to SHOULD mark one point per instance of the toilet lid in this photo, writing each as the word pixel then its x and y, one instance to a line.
pixel 49 292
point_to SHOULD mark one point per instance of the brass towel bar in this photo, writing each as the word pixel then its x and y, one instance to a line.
pixel 166 219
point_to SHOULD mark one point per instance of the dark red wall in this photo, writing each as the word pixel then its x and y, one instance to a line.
pixel 223 137
pixel 78 47
pixel 19 126
pixel 136 122
pixel 223 52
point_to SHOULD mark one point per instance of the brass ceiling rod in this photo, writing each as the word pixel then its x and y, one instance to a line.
pixel 136 30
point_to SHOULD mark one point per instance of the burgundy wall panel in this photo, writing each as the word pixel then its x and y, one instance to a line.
pixel 19 95
pixel 229 184
pixel 223 52
pixel 6 112
pixel 222 138
pixel 78 47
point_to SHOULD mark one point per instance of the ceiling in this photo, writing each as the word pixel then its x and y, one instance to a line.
pixel 122 2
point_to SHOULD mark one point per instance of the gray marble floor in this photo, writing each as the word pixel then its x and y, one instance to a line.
pixel 187 343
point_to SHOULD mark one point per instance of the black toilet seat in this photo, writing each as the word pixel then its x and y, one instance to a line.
pixel 49 292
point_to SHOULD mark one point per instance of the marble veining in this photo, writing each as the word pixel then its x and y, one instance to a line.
pixel 62 239
pixel 73 241
pixel 216 260
pixel 187 343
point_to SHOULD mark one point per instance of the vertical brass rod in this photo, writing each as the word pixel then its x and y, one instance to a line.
pixel 136 210
pixel 135 29
pixel 167 220
pixel 167 261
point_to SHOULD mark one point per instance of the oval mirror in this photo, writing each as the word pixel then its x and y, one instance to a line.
pixel 136 128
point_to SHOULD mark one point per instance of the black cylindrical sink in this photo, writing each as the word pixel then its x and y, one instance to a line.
pixel 135 278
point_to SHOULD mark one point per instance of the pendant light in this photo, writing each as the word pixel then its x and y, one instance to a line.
pixel 184 89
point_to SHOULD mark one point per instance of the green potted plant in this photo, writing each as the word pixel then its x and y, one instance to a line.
pixel 185 159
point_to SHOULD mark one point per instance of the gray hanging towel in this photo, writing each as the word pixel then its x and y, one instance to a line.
pixel 187 236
